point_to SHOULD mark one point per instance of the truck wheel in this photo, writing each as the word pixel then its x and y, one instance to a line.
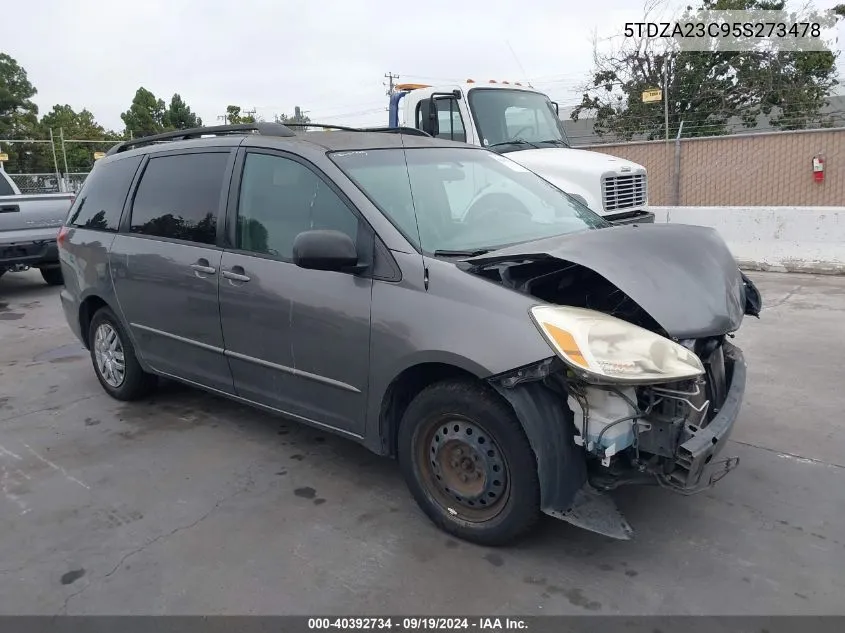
pixel 53 276
pixel 114 359
pixel 468 463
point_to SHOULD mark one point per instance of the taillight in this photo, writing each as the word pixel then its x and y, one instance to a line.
pixel 60 239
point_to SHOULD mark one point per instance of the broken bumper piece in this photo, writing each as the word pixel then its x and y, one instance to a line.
pixel 696 454
pixel 595 510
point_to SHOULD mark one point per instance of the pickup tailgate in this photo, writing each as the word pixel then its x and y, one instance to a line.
pixel 32 218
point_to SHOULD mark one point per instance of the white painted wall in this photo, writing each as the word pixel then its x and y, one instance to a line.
pixel 785 239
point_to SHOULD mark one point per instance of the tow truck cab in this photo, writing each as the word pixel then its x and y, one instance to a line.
pixel 525 124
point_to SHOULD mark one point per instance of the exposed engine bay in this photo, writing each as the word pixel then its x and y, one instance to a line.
pixel 665 432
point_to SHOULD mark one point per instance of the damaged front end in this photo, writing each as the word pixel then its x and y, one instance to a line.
pixel 640 390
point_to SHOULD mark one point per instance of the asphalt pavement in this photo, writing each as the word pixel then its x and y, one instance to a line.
pixel 190 504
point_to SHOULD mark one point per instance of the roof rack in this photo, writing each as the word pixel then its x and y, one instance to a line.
pixel 382 130
pixel 325 126
pixel 410 131
pixel 263 128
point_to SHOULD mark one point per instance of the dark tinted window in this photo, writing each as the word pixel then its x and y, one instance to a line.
pixel 179 197
pixel 5 187
pixel 279 199
pixel 100 202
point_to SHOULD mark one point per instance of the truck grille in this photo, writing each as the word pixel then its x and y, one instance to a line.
pixel 623 192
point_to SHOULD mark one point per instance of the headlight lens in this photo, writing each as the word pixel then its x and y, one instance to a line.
pixel 608 349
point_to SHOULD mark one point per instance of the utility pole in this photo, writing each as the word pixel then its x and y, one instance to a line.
pixel 250 113
pixel 390 77
pixel 224 118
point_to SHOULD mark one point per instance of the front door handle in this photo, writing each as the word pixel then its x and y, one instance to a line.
pixel 236 274
pixel 202 267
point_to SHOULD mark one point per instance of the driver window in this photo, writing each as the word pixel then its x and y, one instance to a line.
pixel 279 199
pixel 449 118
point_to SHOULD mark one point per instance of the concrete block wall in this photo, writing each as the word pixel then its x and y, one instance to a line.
pixel 784 239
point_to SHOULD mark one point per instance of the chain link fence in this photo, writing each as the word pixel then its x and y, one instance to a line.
pixel 37 183
pixel 52 165
pixel 763 169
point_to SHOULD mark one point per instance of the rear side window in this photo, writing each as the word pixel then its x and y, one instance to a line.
pixel 179 197
pixel 5 187
pixel 100 202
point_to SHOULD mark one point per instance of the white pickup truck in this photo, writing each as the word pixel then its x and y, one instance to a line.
pixel 29 225
pixel 525 124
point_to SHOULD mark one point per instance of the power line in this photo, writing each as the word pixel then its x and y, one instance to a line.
pixel 390 77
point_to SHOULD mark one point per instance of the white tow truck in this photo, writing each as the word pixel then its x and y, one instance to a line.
pixel 525 124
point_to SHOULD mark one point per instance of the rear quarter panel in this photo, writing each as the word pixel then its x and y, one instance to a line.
pixel 84 258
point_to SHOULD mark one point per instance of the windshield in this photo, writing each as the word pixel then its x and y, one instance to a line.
pixel 462 199
pixel 503 115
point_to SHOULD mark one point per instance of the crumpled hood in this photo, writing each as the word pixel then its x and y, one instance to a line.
pixel 683 276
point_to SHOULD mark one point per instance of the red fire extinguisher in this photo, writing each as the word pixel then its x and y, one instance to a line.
pixel 818 168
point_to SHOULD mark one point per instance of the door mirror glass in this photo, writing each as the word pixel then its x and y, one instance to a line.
pixel 325 250
pixel 430 122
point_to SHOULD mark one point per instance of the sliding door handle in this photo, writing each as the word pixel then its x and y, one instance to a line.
pixel 228 274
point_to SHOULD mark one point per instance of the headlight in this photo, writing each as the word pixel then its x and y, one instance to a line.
pixel 607 349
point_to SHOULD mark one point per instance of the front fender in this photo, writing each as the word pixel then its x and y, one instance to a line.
pixel 548 423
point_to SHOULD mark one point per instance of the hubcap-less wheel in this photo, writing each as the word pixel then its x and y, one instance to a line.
pixel 463 469
pixel 108 352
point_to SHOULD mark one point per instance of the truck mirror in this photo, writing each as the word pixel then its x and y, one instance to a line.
pixel 431 123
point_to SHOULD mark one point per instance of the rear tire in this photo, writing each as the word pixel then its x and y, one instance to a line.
pixel 468 463
pixel 114 359
pixel 53 276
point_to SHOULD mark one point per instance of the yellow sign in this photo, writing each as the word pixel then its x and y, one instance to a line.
pixel 4 157
pixel 99 155
pixel 650 96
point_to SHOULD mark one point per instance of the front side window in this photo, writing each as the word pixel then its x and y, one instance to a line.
pixel 459 199
pixel 450 122
pixel 179 197
pixel 279 199
pixel 504 116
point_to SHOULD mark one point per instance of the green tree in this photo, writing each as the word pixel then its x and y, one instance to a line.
pixel 18 115
pixel 179 116
pixel 234 116
pixel 298 117
pixel 146 114
pixel 63 120
pixel 705 88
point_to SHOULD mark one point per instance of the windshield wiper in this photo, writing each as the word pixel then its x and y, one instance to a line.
pixel 556 141
pixel 467 253
pixel 516 141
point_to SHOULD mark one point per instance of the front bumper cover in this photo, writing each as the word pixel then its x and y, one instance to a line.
pixel 697 452
pixel 565 492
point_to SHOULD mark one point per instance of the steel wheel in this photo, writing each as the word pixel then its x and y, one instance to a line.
pixel 108 353
pixel 463 468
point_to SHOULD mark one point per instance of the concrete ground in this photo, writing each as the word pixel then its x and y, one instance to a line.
pixel 189 504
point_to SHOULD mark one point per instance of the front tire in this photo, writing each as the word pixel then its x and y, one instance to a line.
pixel 468 463
pixel 114 359
pixel 53 276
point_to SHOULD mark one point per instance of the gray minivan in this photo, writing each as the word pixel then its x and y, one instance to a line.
pixel 434 301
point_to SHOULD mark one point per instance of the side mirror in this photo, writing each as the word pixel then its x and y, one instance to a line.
pixel 431 121
pixel 326 250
